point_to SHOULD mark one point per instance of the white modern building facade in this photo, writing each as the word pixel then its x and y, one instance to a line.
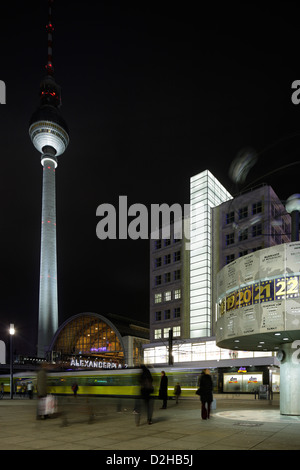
pixel 257 219
pixel 206 192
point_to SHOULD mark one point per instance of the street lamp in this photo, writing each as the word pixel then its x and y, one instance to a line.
pixel 11 332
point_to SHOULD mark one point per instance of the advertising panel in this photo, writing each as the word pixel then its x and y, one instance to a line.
pixel 242 383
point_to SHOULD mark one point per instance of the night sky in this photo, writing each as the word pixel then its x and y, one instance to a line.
pixel 153 93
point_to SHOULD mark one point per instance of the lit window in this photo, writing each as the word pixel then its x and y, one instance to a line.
pixel 157 334
pixel 177 293
pixel 176 331
pixel 158 298
pixel 168 296
pixel 166 332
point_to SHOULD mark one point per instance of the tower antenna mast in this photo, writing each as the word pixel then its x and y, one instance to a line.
pixel 50 136
pixel 50 29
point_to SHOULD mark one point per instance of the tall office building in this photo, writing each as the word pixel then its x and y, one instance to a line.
pixel 206 192
pixel 169 286
pixel 222 229
pixel 50 136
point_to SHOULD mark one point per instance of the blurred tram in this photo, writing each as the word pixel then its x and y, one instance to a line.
pixel 119 382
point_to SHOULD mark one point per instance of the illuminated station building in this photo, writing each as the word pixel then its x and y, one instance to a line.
pixel 183 283
pixel 93 341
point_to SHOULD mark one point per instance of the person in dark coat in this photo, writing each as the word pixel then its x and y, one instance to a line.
pixel 147 389
pixel 163 389
pixel 206 393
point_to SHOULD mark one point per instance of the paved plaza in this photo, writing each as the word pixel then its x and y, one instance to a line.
pixel 238 423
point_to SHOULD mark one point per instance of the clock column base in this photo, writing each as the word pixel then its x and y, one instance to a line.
pixel 290 379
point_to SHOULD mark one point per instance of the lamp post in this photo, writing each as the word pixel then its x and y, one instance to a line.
pixel 11 332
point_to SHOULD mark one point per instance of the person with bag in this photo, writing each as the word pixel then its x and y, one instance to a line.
pixel 205 391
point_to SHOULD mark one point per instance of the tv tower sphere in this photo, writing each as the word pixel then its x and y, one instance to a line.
pixel 50 136
pixel 48 129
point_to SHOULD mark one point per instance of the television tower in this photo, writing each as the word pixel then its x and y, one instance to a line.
pixel 50 136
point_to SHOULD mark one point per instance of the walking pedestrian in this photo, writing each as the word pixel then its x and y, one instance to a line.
pixel 163 389
pixel 75 388
pixel 206 393
pixel 146 383
pixel 30 390
pixel 177 392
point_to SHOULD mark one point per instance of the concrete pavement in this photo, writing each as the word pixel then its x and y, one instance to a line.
pixel 239 423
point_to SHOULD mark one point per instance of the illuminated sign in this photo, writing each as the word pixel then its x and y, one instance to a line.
pixel 96 364
pixel 264 291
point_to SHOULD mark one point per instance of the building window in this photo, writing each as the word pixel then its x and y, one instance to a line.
pixel 177 293
pixel 167 277
pixel 243 253
pixel 177 256
pixel 157 334
pixel 243 213
pixel 158 262
pixel 166 332
pixel 167 242
pixel 167 296
pixel 177 275
pixel 167 314
pixel 229 218
pixel 229 258
pixel 243 235
pixel 176 331
pixel 167 259
pixel 256 230
pixel 257 208
pixel 157 244
pixel 157 280
pixel 157 298
pixel 229 239
pixel 177 312
pixel 157 316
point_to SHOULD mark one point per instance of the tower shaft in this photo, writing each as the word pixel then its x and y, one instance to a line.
pixel 48 302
